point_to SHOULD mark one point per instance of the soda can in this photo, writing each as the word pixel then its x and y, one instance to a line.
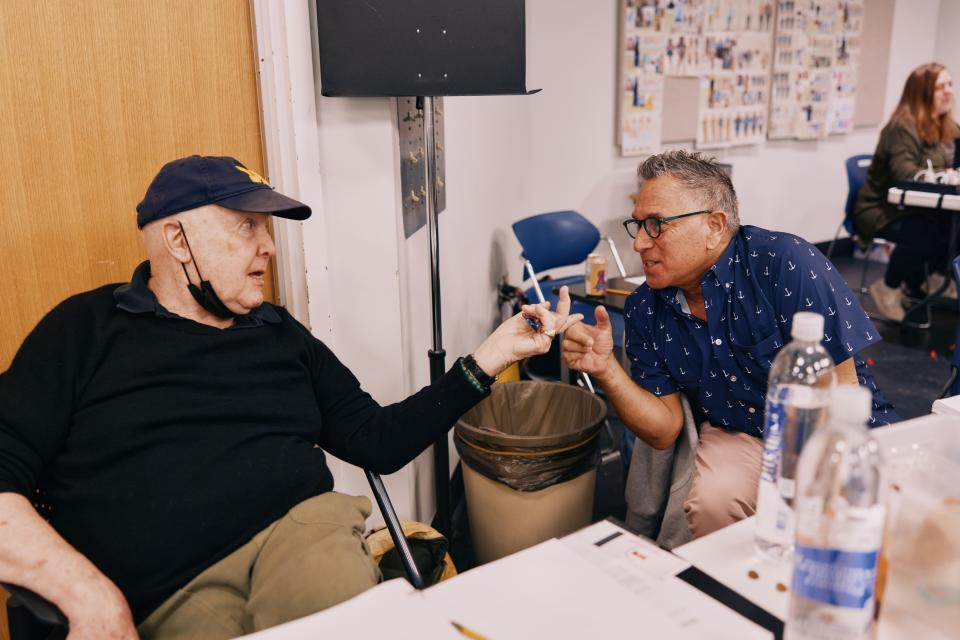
pixel 596 277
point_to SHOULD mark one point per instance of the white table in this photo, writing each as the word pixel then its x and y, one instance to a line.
pixel 946 406
pixel 729 555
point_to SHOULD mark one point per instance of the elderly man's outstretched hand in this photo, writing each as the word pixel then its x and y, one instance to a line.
pixel 526 334
pixel 587 348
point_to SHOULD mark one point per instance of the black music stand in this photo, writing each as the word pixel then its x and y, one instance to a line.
pixel 424 48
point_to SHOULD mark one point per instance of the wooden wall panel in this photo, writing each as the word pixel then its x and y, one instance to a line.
pixel 4 632
pixel 94 98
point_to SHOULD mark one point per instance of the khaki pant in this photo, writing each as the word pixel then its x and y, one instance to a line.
pixel 312 558
pixel 725 478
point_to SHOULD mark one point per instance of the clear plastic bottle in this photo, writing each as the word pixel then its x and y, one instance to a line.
pixel 840 520
pixel 798 392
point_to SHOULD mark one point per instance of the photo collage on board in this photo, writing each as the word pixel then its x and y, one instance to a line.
pixel 816 53
pixel 766 69
pixel 726 44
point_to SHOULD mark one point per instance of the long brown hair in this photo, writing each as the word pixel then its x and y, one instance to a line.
pixel 916 106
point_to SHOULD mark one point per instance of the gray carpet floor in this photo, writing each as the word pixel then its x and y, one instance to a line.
pixel 910 378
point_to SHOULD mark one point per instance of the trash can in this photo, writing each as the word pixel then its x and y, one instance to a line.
pixel 530 454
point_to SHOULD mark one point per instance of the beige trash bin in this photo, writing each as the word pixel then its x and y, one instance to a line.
pixel 530 454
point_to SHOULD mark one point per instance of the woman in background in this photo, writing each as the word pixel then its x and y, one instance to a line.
pixel 921 131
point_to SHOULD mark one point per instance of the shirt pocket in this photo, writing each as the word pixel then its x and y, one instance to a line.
pixel 762 353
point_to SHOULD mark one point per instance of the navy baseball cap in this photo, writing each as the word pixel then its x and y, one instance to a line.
pixel 194 181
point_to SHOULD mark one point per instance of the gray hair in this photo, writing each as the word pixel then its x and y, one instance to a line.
pixel 704 176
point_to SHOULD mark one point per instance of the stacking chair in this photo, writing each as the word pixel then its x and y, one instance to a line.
pixel 30 617
pixel 857 167
pixel 562 239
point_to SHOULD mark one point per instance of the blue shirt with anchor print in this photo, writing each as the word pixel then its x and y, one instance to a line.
pixel 750 296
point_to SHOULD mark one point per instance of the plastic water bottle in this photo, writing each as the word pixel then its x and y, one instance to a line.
pixel 840 520
pixel 797 397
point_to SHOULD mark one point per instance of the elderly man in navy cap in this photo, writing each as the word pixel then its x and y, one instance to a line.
pixel 176 426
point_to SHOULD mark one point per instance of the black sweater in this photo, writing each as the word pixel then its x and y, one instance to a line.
pixel 162 445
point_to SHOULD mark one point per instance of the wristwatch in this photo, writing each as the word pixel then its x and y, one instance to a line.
pixel 473 369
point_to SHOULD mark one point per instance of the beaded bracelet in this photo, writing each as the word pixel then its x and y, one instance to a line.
pixel 480 380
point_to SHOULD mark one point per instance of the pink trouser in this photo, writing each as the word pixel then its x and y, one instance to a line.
pixel 725 479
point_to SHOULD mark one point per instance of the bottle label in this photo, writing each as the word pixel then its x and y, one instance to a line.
pixel 771 516
pixel 774 517
pixel 835 569
pixel 834 576
pixel 772 441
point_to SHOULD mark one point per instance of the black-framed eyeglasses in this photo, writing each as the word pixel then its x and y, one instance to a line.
pixel 652 225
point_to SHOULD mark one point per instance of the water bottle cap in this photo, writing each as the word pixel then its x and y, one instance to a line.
pixel 807 326
pixel 850 403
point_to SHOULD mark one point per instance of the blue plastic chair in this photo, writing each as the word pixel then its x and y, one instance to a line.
pixel 857 167
pixel 560 239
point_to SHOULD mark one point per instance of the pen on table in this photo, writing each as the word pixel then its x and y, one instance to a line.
pixel 473 635
pixel 619 292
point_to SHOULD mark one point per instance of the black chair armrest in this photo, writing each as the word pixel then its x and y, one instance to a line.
pixel 43 619
pixel 396 531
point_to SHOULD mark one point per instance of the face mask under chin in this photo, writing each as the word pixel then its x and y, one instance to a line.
pixel 205 296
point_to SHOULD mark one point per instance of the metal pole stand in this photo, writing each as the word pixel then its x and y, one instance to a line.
pixel 437 355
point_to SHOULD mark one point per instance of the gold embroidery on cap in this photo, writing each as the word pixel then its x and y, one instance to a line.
pixel 254 176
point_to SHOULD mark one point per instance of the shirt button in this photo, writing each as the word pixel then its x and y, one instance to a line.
pixel 752 410
pixel 726 286
pixel 733 378
pixel 718 342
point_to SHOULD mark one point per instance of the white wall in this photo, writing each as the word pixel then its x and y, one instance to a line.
pixel 507 158
pixel 913 42
pixel 947 49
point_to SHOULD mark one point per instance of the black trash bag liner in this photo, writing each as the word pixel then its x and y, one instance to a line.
pixel 532 435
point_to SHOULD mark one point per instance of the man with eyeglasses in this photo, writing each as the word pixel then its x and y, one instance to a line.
pixel 717 305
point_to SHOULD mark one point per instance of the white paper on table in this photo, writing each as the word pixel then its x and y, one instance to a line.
pixel 619 547
pixel 392 609
pixel 649 573
pixel 637 280
pixel 547 591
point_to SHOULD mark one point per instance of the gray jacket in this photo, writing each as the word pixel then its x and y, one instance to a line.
pixel 658 483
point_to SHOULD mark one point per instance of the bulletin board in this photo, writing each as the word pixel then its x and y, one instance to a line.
pixel 643 58
pixel 725 44
pixel 734 86
pixel 723 73
pixel 815 70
